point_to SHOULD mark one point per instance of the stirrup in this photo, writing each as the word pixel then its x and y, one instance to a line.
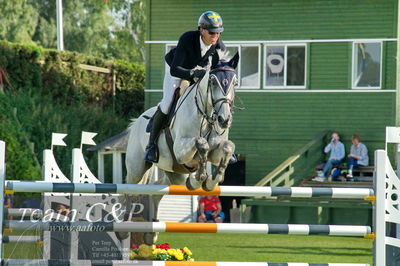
pixel 151 154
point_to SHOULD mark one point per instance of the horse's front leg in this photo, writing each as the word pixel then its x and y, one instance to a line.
pixel 186 152
pixel 221 154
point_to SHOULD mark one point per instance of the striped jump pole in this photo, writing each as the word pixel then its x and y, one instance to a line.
pixel 9 262
pixel 21 239
pixel 244 191
pixel 230 228
pixel 23 212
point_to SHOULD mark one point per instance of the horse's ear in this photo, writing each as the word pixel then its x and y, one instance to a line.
pixel 234 61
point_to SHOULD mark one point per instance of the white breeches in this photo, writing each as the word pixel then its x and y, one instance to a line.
pixel 169 87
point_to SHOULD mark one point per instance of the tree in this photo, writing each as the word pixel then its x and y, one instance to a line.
pixel 129 34
pixel 108 29
pixel 18 21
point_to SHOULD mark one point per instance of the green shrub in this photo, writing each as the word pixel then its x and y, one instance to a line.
pixel 59 74
pixel 49 92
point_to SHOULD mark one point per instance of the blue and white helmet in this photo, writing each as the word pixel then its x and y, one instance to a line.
pixel 211 21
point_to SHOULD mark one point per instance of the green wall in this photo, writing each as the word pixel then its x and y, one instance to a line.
pixel 276 124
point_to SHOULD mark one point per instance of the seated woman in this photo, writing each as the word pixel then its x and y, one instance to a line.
pixel 210 210
pixel 358 155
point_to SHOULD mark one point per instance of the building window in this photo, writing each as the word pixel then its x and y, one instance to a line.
pixel 249 64
pixel 285 66
pixel 367 64
pixel 249 67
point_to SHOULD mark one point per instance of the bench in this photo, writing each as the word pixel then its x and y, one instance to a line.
pixel 360 174
pixel 364 173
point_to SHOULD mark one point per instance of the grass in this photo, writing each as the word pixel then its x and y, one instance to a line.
pixel 249 247
pixel 273 248
pixel 22 250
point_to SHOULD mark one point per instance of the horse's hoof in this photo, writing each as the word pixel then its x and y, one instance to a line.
pixel 209 184
pixel 150 238
pixel 192 183
pixel 220 178
pixel 207 187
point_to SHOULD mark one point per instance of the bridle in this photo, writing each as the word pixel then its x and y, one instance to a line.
pixel 202 107
pixel 222 99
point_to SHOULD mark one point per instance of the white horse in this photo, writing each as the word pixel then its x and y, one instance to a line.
pixel 198 131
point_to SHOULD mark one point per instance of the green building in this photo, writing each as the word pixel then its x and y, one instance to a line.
pixel 306 66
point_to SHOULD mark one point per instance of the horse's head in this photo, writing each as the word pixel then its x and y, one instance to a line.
pixel 222 84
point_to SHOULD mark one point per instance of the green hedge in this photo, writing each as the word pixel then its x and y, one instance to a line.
pixel 58 74
pixel 46 91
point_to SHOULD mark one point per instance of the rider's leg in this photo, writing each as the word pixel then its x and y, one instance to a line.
pixel 159 118
pixel 151 154
pixel 170 85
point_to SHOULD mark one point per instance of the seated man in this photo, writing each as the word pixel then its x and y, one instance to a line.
pixel 210 210
pixel 358 156
pixel 336 149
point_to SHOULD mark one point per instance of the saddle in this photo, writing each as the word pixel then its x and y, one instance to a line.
pixel 171 112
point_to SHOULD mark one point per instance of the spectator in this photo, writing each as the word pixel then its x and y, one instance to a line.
pixel 210 210
pixel 336 149
pixel 358 155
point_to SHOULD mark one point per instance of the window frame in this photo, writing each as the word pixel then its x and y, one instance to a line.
pixel 285 45
pixel 353 65
pixel 239 71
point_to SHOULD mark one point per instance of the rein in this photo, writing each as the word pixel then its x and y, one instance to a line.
pixel 211 119
pixel 202 107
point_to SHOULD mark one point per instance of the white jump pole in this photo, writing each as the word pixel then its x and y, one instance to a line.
pixel 379 217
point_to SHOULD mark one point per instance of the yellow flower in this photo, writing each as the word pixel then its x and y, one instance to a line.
pixel 179 257
pixel 179 254
pixel 144 247
pixel 187 251
pixel 156 251
pixel 191 259
pixel 171 252
pixel 132 255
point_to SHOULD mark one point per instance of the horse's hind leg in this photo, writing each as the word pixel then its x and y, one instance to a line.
pixel 164 178
pixel 136 169
pixel 224 151
pixel 139 174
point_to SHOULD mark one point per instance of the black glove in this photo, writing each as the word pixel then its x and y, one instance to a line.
pixel 198 73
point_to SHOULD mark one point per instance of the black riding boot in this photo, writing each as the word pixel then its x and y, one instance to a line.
pixel 151 153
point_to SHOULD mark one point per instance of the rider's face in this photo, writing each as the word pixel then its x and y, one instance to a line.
pixel 209 37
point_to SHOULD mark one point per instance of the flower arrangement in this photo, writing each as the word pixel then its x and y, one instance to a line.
pixel 160 252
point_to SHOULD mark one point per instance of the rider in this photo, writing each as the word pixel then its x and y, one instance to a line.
pixel 187 62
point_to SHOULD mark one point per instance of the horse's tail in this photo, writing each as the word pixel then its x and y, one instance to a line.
pixel 133 120
pixel 146 179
